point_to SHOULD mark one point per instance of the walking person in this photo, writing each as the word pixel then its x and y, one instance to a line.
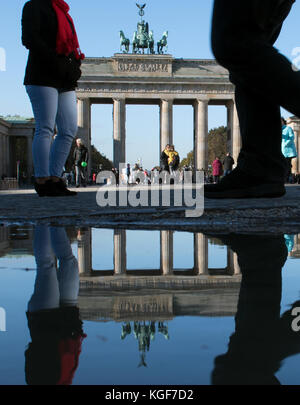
pixel 243 35
pixel 217 170
pixel 288 147
pixel 228 163
pixel 80 156
pixel 52 72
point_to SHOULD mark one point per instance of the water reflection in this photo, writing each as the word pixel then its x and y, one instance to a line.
pixel 262 338
pixel 144 302
pixel 144 333
pixel 55 327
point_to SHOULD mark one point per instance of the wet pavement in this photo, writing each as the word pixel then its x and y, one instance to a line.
pixel 24 206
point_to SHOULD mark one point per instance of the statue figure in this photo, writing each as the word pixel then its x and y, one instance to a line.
pixel 141 37
pixel 141 12
pixel 162 43
pixel 151 43
pixel 124 42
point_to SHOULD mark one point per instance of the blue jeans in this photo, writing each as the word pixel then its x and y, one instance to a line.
pixel 54 287
pixel 52 107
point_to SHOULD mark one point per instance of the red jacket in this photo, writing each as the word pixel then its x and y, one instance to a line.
pixel 217 168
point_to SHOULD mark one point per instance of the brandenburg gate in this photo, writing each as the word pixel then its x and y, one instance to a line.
pixel 158 80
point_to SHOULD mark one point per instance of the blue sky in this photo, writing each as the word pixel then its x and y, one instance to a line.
pixel 98 24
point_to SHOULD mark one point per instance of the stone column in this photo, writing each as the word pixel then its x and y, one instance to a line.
pixel 29 159
pixel 201 134
pixel 166 123
pixel 5 155
pixel 200 254
pixel 84 251
pixel 120 260
pixel 1 154
pixel 119 132
pixel 236 134
pixel 166 252
pixel 84 126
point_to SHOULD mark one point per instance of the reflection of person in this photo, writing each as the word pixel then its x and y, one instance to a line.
pixel 262 339
pixel 288 147
pixel 52 72
pixel 80 156
pixel 289 241
pixel 243 34
pixel 53 316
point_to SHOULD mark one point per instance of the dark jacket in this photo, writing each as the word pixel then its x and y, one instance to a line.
pixel 80 155
pixel 228 162
pixel 164 161
pixel 45 67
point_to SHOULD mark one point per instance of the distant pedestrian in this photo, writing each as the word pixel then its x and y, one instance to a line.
pixel 228 163
pixel 164 165
pixel 80 157
pixel 173 159
pixel 288 147
pixel 217 170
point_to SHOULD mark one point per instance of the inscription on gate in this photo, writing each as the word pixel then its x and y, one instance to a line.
pixel 140 66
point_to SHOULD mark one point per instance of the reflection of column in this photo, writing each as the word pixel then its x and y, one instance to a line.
pixel 201 134
pixel 29 159
pixel 232 263
pixel 166 123
pixel 166 252
pixel 120 260
pixel 200 253
pixel 84 126
pixel 84 239
pixel 236 135
pixel 119 132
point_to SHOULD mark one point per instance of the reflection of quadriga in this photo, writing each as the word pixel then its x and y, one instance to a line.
pixel 144 332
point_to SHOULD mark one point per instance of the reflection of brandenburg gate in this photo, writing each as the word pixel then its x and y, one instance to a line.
pixel 123 294
pixel 158 80
pixel 166 259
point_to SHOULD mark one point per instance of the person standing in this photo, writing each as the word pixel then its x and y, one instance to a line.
pixel 217 170
pixel 243 37
pixel 52 72
pixel 288 147
pixel 80 156
pixel 164 165
pixel 228 164
pixel 173 159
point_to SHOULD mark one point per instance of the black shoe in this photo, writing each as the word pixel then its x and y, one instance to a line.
pixel 61 189
pixel 77 186
pixel 238 184
pixel 44 190
pixel 53 189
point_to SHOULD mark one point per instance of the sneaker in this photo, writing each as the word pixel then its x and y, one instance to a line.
pixel 238 184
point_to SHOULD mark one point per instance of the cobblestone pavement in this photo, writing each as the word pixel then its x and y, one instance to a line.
pixel 24 206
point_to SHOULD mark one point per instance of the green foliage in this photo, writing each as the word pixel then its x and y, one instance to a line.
pixel 217 147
